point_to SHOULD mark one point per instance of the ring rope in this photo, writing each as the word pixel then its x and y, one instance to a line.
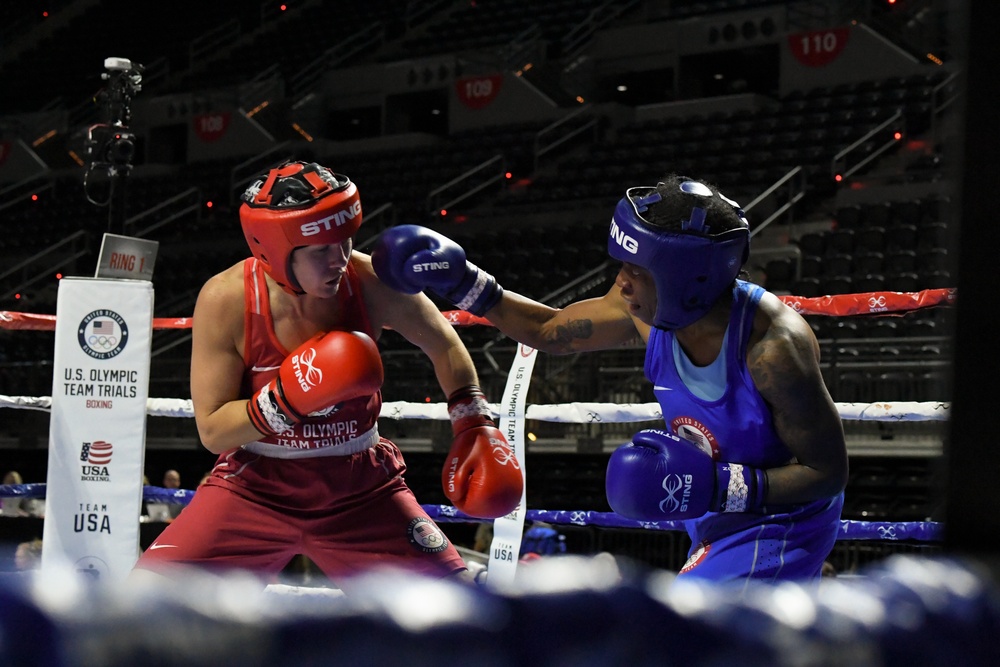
pixel 566 413
pixel 850 530
pixel 838 305
pixel 870 303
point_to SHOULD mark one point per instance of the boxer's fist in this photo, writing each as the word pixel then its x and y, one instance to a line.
pixel 409 259
pixel 660 477
pixel 327 369
pixel 481 475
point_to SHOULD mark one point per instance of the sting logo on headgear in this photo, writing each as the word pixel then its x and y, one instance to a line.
pixel 691 267
pixel 294 205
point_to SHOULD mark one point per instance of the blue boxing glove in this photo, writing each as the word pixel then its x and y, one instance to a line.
pixel 410 259
pixel 660 477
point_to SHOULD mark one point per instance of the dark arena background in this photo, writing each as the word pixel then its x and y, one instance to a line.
pixel 859 135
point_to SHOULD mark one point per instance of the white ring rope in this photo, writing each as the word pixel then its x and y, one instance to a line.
pixel 567 413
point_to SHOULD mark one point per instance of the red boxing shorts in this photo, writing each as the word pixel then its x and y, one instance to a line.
pixel 348 514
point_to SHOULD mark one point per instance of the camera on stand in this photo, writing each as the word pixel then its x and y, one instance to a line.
pixel 110 145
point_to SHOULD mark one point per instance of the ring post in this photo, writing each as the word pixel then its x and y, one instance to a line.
pixel 97 433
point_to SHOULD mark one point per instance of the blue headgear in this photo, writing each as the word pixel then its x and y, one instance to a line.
pixel 691 267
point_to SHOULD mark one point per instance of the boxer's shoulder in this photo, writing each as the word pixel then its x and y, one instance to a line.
pixel 223 292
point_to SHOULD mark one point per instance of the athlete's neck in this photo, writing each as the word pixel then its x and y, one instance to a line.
pixel 701 341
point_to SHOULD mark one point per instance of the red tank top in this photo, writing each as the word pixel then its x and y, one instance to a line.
pixel 347 425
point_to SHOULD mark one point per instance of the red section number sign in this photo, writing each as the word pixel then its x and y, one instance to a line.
pixel 476 92
pixel 211 126
pixel 818 48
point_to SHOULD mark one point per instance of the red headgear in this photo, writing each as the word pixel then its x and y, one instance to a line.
pixel 297 204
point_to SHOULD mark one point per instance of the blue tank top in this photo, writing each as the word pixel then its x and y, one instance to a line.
pixel 737 427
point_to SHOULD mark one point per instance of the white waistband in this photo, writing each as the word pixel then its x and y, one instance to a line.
pixel 366 440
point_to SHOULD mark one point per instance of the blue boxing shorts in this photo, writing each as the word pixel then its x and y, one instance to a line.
pixel 782 546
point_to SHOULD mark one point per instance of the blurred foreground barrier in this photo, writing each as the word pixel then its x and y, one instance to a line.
pixel 561 610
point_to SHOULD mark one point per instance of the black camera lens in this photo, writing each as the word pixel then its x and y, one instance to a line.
pixel 122 148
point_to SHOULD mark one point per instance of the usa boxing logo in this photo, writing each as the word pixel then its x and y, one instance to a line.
pixel 95 458
pixel 102 334
pixel 308 376
pixel 674 484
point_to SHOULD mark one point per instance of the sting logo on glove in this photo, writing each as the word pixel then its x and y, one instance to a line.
pixel 503 453
pixel 695 484
pixel 311 376
pixel 672 484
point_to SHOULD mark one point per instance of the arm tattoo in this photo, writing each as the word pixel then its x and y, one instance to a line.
pixel 766 363
pixel 564 334
pixel 778 365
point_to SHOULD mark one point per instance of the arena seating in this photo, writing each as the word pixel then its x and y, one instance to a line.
pixel 899 245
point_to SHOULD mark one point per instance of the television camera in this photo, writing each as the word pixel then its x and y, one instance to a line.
pixel 111 145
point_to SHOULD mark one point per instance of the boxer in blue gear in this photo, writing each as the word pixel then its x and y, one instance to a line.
pixel 752 455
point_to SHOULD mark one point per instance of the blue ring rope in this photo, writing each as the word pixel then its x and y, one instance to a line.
pixel 882 531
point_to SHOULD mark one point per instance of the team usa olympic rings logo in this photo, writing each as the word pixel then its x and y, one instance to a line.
pixel 102 334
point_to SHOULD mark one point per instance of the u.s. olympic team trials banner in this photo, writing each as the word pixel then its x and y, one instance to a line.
pixel 97 435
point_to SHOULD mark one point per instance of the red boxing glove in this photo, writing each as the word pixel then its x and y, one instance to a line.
pixel 481 475
pixel 327 369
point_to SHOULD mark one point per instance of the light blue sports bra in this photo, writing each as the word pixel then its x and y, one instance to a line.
pixel 705 382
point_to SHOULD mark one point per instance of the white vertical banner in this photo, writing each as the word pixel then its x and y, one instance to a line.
pixel 507 530
pixel 97 433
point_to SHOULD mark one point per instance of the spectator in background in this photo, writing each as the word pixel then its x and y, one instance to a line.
pixel 20 506
pixel 158 511
pixel 28 555
pixel 172 480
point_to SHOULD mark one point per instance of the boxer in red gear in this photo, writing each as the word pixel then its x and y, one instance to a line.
pixel 285 384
